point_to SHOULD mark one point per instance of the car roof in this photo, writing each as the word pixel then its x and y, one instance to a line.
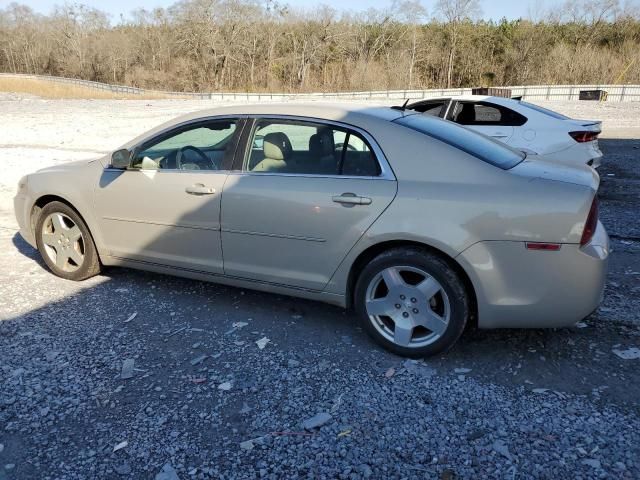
pixel 474 98
pixel 326 111
pixel 361 115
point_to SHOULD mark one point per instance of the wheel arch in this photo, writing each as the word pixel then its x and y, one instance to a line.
pixel 43 200
pixel 374 250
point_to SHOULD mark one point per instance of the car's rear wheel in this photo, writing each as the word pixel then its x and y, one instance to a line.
pixel 412 302
pixel 65 244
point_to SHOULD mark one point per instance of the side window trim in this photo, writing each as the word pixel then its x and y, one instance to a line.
pixel 345 147
pixel 447 108
pixel 451 110
pixel 240 120
pixel 243 149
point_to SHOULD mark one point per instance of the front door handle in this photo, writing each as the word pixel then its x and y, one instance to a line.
pixel 349 198
pixel 200 189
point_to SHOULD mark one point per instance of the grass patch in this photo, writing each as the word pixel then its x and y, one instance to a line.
pixel 55 90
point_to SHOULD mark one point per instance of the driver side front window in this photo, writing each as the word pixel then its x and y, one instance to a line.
pixel 205 146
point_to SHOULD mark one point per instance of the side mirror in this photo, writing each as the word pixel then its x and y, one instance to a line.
pixel 121 158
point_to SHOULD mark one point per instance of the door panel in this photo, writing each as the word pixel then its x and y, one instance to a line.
pixel 163 216
pixel 166 207
pixel 290 230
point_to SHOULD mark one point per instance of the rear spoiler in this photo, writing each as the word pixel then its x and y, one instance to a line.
pixel 592 124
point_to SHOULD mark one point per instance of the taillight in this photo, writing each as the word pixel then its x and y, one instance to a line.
pixel 591 223
pixel 582 137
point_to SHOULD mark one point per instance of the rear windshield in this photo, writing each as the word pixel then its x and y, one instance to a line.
pixel 544 111
pixel 485 148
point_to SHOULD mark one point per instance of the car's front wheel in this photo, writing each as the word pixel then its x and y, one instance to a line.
pixel 412 302
pixel 65 243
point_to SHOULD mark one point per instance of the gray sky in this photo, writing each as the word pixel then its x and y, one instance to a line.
pixel 491 9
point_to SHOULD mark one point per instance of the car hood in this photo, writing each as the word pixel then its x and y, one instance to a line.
pixel 540 169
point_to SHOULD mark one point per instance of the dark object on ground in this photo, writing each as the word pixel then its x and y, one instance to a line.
pixel 492 92
pixel 599 95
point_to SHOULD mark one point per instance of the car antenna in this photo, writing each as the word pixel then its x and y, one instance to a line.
pixel 403 107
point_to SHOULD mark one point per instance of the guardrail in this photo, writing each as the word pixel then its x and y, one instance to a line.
pixel 616 93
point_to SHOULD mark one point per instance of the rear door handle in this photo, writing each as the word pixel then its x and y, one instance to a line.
pixel 351 199
pixel 200 189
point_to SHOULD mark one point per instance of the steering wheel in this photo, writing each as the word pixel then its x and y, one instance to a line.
pixel 350 147
pixel 203 156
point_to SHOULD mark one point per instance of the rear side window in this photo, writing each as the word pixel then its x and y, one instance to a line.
pixel 435 108
pixel 484 113
pixel 480 146
pixel 309 148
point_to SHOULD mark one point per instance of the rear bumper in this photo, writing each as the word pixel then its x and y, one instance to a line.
pixel 577 154
pixel 595 162
pixel 520 288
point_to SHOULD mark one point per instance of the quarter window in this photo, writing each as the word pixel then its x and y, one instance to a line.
pixel 202 146
pixel 435 108
pixel 308 148
pixel 483 113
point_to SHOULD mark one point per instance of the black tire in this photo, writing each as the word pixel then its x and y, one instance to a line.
pixel 438 268
pixel 90 264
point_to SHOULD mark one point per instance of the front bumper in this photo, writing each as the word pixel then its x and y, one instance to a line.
pixel 520 288
pixel 22 210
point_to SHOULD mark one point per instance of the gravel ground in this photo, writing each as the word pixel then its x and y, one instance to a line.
pixel 136 375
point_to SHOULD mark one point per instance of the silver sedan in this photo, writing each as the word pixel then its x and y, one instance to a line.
pixel 422 226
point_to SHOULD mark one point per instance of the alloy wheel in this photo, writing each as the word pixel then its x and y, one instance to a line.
pixel 407 306
pixel 63 242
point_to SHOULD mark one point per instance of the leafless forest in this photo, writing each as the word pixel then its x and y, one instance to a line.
pixel 248 45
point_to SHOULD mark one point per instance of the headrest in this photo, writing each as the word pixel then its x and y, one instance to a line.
pixel 149 164
pixel 277 146
pixel 322 144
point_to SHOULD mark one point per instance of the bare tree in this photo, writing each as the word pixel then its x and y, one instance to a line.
pixel 243 45
pixel 455 12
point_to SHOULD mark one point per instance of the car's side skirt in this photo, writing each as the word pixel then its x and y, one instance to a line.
pixel 331 298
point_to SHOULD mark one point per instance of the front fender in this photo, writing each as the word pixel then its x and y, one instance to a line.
pixel 74 186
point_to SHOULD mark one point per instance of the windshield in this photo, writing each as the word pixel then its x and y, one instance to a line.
pixel 545 111
pixel 480 146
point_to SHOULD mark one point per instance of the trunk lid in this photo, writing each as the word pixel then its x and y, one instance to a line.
pixel 575 174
